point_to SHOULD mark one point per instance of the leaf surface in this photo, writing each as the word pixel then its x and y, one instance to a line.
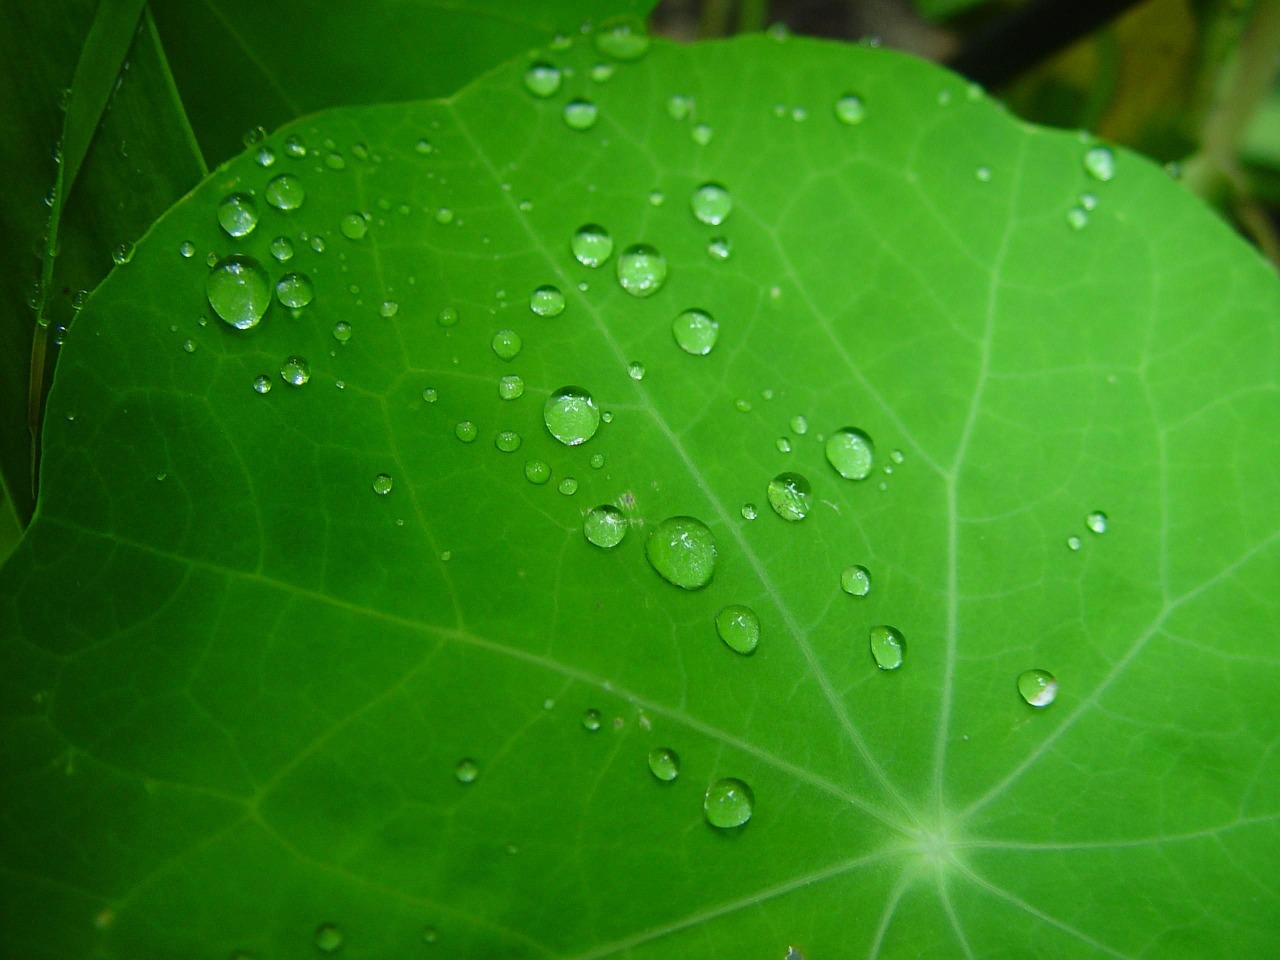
pixel 240 682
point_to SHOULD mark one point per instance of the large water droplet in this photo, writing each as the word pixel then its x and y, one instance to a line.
pixel 790 496
pixel 382 484
pixel 641 270
pixel 739 628
pixel 888 647
pixel 622 39
pixel 851 452
pixel 580 114
pixel 510 387
pixel 1100 163
pixel 696 331
pixel 664 763
pixel 238 214
pixel 537 471
pixel 591 245
pixel 571 415
pixel 711 204
pixel 295 370
pixel 682 551
pixel 547 301
pixel 850 109
pixel 466 770
pixel 328 937
pixel 856 580
pixel 506 344
pixel 542 79
pixel 1096 521
pixel 239 290
pixel 605 526
pixel 295 290
pixel 285 192
pixel 728 803
pixel 1038 687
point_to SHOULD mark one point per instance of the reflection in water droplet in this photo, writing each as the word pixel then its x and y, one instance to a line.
pixel 591 720
pixel 342 331
pixel 238 214
pixel 508 441
pixel 718 248
pixel 728 803
pixel 465 431
pixel 856 580
pixel 580 114
pixel 850 110
pixel 187 249
pixel 506 344
pixel 1100 163
pixel 537 471
pixel 382 484
pixel 739 628
pixel 510 387
pixel 239 290
pixel 295 370
pixel 641 270
pixel 749 511
pixel 430 394
pixel 664 763
pixel 542 79
pixel 790 496
pixel 295 290
pixel 591 245
pixel 597 461
pixel 294 147
pixel 1038 687
pixel 711 204
pixel 851 452
pixel 635 370
pixel 682 551
pixel 547 301
pixel 388 309
pixel 622 39
pixel 571 415
pixel 784 445
pixel 328 937
pixel 282 249
pixel 568 486
pixel 605 526
pixel 1096 521
pixel 262 383
pixel 466 770
pixel 888 647
pixel 696 331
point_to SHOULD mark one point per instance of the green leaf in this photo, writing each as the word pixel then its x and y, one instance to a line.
pixel 276 61
pixel 260 697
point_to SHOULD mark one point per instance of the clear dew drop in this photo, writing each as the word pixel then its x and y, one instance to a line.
pixel 547 301
pixel 664 763
pixel 701 134
pixel 568 486
pixel 580 114
pixel 982 174
pixel 728 803
pixel 784 445
pixel 262 383
pixel 285 192
pixel 605 526
pixel 295 370
pixel 749 511
pixel 1038 687
pixel 790 496
pixel 1100 163
pixel 711 204
pixel 1077 218
pixel 430 394
pixel 354 226
pixel 542 79
pixel 635 370
pixel 850 109
pixel 187 249
pixel 388 309
pixel 696 332
pixel 591 245
pixel 856 580
pixel 239 290
pixel 508 441
pixel 602 72
pixel 622 39
pixel 328 937
pixel 597 461
pixel 295 290
pixel 282 249
pixel 739 628
pixel 447 317
pixel 1096 521
pixel 682 551
pixel 122 253
pixel 571 415
pixel 506 344
pixel 851 452
pixel 799 425
pixel 465 431
pixel 1073 543
pixel 430 935
pixel 642 270
pixel 888 647
pixel 591 720
pixel 382 484
pixel 537 472
pixel 679 106
pixel 510 387
pixel 294 147
pixel 238 214
pixel 466 770
pixel 189 346
pixel 719 248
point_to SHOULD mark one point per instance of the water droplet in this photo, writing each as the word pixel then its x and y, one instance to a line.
pixel 896 456
pixel 295 370
pixel 1073 543
pixel 739 628
pixel 983 174
pixel 664 763
pixel 856 580
pixel 580 114
pixel 1100 163
pixel 328 937
pixel 728 803
pixel 749 511
pixel 238 214
pixel 466 770
pixel 568 486
pixel 1089 201
pixel 294 147
pixel 542 79
pixel 1096 521
pixel 682 551
pixel 591 245
pixel 602 72
pixel 187 249
pixel 537 471
pixel 641 270
pixel 282 249
pixel 888 647
pixel 678 106
pixel 784 445
pixel 790 496
pixel 1038 687
pixel 508 441
pixel 547 301
pixel 262 383
pixel 382 484
pixel 430 934
pixel 591 720
pixel 295 290
pixel 696 331
pixel 597 461
pixel 1077 218
pixel 388 309
pixel 506 344
pixel 430 394
pixel 657 198
pixel 742 405
pixel 701 134
pixel 239 290
pixel 850 109
pixel 605 526
pixel 444 215
pixel 354 226
pixel 188 345
pixel 571 415
pixel 711 204
pixel 448 317
pixel 510 387
pixel 635 370
pixel 122 253
pixel 465 431
pixel 622 39
pixel 718 248
pixel 851 452
pixel 285 192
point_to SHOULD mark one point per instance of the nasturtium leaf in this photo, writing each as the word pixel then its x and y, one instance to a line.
pixel 252 703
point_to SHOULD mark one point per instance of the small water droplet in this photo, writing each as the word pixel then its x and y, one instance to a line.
pixel 295 290
pixel 784 445
pixel 749 511
pixel 605 526
pixel 622 39
pixel 657 198
pixel 851 452
pixel 294 147
pixel 187 249
pixel 701 134
pixel 888 647
pixel 382 484
pixel 602 72
pixel 537 471
pixel 568 486
pixel 188 345
pixel 444 215
pixel 328 937
pixel 430 934
pixel 983 174
pixel 856 580
pixel 510 387
pixel 635 370
pixel 571 415
pixel 282 249
pixel 448 317
pixel 1038 687
pixel 1089 201
pixel 896 456
pixel 591 245
pixel 238 214
pixel 388 308
pixel 542 79
pixel 696 332
pixel 262 383
pixel 850 109
pixel 678 106
pixel 466 770
pixel 285 192
pixel 1073 543
pixel 642 270
pixel 728 803
pixel 1100 163
pixel 547 301
pixel 739 628
pixel 465 431
pixel 718 248
pixel 295 370
pixel 591 720
pixel 430 394
pixel 790 496
pixel 1077 218
pixel 580 114
pixel 506 344
pixel 682 551
pixel 354 226
pixel 711 204
pixel 508 441
pixel 239 290
pixel 1096 521
pixel 664 763
pixel 742 405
